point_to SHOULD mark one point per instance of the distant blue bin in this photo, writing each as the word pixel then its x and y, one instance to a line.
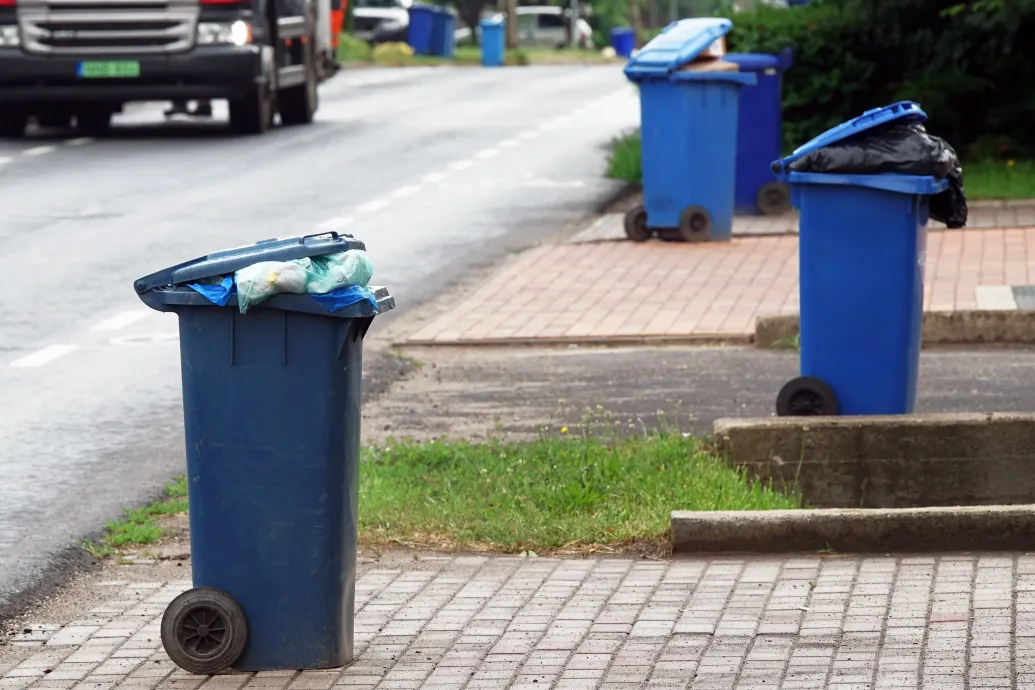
pixel 271 404
pixel 760 135
pixel 623 40
pixel 418 33
pixel 862 247
pixel 688 127
pixel 443 33
pixel 493 42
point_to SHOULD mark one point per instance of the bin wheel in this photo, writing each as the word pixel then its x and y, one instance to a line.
pixel 204 631
pixel 695 225
pixel 636 224
pixel 806 396
pixel 774 199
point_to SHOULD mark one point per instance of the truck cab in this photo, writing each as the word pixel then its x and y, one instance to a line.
pixel 65 62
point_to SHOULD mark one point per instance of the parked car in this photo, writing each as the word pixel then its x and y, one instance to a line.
pixel 381 21
pixel 540 25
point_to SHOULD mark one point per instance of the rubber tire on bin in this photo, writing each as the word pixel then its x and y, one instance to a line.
pixel 298 104
pixel 636 224
pixel 194 615
pixel 253 113
pixel 774 199
pixel 695 225
pixel 806 396
pixel 13 123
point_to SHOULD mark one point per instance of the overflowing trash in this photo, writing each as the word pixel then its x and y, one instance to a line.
pixel 897 147
pixel 334 280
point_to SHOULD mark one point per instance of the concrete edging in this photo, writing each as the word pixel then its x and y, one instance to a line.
pixel 981 528
pixel 1006 327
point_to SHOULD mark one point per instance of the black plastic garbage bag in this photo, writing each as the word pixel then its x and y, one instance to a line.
pixel 904 148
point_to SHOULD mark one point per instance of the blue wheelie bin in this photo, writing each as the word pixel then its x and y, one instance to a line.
pixel 443 33
pixel 271 406
pixel 760 135
pixel 418 33
pixel 493 42
pixel 862 242
pixel 688 129
pixel 623 40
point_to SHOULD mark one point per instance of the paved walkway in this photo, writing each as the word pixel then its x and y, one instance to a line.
pixel 937 622
pixel 614 290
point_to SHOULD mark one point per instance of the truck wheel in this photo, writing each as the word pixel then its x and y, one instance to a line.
pixel 253 113
pixel 298 104
pixel 94 120
pixel 55 119
pixel 13 123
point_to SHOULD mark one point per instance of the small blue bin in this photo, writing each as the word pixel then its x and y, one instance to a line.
pixel 861 253
pixel 623 40
pixel 443 33
pixel 760 135
pixel 493 42
pixel 271 406
pixel 418 33
pixel 688 128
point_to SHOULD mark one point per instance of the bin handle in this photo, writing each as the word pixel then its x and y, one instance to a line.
pixel 333 234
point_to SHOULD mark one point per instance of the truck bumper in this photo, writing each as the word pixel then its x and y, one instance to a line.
pixel 204 72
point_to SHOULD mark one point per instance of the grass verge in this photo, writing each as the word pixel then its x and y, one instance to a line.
pixel 140 527
pixel 588 488
pixel 353 50
pixel 584 489
pixel 986 179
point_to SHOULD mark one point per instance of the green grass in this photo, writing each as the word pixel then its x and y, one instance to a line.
pixel 997 179
pixel 581 488
pixel 352 50
pixel 138 527
pixel 623 162
pixel 987 179
pixel 577 489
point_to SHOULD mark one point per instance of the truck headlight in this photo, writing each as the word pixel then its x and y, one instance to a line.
pixel 10 37
pixel 238 33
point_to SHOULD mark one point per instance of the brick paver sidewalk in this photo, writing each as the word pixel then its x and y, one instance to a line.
pixel 615 290
pixel 938 622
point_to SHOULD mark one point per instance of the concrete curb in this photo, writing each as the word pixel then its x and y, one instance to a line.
pixel 586 341
pixel 1005 327
pixel 984 528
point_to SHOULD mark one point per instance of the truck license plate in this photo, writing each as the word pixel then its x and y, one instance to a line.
pixel 109 70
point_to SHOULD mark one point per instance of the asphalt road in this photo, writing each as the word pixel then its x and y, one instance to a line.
pixel 439 171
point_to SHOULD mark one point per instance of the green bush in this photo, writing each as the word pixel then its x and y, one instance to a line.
pixel 961 61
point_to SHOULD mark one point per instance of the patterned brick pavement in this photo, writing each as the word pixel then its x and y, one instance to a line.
pixel 608 291
pixel 471 622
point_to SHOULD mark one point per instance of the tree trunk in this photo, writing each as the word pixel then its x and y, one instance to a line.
pixel 512 24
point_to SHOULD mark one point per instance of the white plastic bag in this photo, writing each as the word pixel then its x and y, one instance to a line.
pixel 259 282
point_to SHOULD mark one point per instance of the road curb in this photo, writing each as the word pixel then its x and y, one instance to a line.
pixel 908 530
pixel 974 327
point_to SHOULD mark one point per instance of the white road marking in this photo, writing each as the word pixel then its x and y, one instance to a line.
pixel 432 178
pixel 335 223
pixel 461 165
pixel 81 141
pixel 44 356
pixel 995 297
pixel 530 134
pixel 485 154
pixel 121 320
pixel 39 151
pixel 372 206
pixel 508 143
pixel 403 192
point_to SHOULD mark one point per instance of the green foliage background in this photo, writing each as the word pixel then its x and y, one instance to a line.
pixel 967 64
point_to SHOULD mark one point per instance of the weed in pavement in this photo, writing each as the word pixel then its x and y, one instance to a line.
pixel 138 527
pixel 623 163
pixel 581 488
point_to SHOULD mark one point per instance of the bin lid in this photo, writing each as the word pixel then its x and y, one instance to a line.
pixel 903 110
pixel 678 44
pixel 753 62
pixel 229 261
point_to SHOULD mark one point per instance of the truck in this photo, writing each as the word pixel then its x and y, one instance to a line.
pixel 78 62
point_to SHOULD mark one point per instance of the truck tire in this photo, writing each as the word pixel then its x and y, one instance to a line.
pixel 94 120
pixel 13 123
pixel 298 104
pixel 253 112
